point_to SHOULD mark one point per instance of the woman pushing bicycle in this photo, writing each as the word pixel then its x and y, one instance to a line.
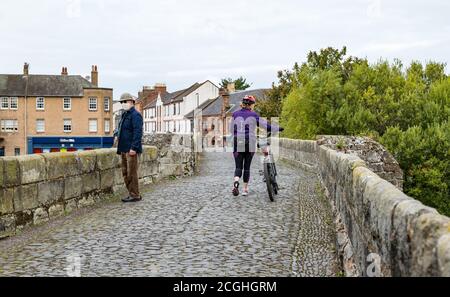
pixel 243 128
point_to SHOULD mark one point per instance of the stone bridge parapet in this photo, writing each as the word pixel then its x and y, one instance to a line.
pixel 381 231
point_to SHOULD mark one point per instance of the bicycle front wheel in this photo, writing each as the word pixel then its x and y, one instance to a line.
pixel 268 178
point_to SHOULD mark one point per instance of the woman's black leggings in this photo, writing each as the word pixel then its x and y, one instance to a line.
pixel 243 161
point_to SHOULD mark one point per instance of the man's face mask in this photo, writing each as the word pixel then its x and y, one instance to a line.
pixel 126 106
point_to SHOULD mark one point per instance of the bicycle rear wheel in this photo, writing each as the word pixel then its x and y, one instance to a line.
pixel 274 179
pixel 268 178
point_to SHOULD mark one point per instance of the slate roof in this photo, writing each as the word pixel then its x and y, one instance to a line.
pixel 178 95
pixel 214 107
pixel 43 85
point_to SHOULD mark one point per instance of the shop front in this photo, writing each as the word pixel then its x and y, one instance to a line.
pixel 38 145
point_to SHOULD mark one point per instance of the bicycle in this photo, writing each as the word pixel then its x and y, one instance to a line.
pixel 270 169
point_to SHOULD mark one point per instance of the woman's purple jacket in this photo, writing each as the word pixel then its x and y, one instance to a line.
pixel 243 127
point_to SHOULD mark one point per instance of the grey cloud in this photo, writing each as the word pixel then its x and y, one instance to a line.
pixel 139 42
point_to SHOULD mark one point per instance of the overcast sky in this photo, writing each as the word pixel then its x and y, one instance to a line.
pixel 138 42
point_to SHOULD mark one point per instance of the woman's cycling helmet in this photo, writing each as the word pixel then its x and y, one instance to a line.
pixel 249 99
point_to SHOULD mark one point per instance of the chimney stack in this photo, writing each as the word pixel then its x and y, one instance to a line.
pixel 64 71
pixel 94 75
pixel 160 88
pixel 26 67
pixel 225 100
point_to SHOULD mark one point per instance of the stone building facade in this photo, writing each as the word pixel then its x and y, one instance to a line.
pixel 49 113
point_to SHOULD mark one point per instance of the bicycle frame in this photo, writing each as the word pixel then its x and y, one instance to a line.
pixel 264 145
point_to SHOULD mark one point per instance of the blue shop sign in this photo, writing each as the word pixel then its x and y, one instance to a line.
pixel 57 143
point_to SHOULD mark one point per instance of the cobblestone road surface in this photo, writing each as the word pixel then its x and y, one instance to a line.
pixel 190 227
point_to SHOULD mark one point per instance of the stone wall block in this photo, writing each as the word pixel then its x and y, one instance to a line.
pixel 11 175
pixel 107 159
pixel 50 192
pixel 60 165
pixel 87 161
pixel 32 168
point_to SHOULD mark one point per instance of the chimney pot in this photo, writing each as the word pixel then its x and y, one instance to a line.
pixel 26 68
pixel 160 88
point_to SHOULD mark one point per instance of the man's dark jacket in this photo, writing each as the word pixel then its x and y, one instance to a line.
pixel 129 132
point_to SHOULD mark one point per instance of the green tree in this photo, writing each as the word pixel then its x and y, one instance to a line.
pixel 240 83
pixel 406 109
pixel 271 107
pixel 424 155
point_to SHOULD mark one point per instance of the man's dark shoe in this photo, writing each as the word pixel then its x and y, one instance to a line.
pixel 132 199
pixel 136 199
pixel 127 199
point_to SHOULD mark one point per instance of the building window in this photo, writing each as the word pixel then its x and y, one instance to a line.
pixel 67 125
pixel 179 106
pixel 106 103
pixel 14 103
pixel 40 125
pixel 175 109
pixel 92 104
pixel 107 126
pixel 93 125
pixel 5 103
pixel 67 103
pixel 40 103
pixel 16 151
pixel 9 125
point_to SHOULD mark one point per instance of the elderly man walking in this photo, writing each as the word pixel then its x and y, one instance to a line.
pixel 129 146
